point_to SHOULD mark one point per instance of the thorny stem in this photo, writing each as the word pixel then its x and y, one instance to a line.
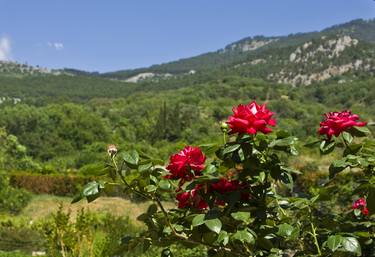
pixel 313 229
pixel 158 202
pixel 314 235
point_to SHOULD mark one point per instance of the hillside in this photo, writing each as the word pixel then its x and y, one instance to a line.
pixel 335 51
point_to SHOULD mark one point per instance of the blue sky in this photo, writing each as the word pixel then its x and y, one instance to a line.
pixel 110 35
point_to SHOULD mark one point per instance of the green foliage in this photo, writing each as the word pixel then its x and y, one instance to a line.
pixel 262 216
pixel 86 235
pixel 12 200
pixel 56 184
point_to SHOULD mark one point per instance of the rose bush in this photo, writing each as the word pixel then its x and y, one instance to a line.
pixel 239 200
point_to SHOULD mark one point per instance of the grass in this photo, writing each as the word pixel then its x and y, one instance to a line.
pixel 42 206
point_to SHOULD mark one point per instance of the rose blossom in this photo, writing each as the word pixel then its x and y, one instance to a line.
pixel 224 186
pixel 336 122
pixel 361 204
pixel 186 164
pixel 250 119
pixel 191 198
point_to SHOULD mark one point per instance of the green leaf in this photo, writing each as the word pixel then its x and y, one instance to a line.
pixel 231 148
pixel 209 148
pixel 223 237
pixel 337 166
pixel 91 191
pixel 214 225
pixel 347 137
pixel 334 242
pixel 285 230
pixel 283 142
pixel 357 212
pixel 326 146
pixel 351 244
pixel 144 167
pixel 151 188
pixel 131 158
pixel 241 216
pixel 244 236
pixel 153 208
pixel 198 220
pixel 210 169
pixel 359 131
pixel 164 184
pixel 311 142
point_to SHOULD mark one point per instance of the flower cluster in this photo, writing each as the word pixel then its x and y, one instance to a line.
pixel 362 205
pixel 192 198
pixel 186 164
pixel 336 122
pixel 251 118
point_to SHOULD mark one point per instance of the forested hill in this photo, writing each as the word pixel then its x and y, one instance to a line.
pixel 336 46
pixel 63 119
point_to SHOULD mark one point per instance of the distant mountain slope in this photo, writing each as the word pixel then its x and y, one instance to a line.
pixel 256 50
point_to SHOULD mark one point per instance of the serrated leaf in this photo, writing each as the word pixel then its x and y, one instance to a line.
pixel 283 142
pixel 144 167
pixel 214 225
pixel 131 158
pixel 326 146
pixel 198 220
pixel 231 148
pixel 244 236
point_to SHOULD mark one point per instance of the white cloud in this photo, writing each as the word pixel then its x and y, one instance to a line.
pixel 56 45
pixel 5 49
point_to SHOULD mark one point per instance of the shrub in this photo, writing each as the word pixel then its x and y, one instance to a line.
pixel 235 203
pixel 88 234
pixel 62 185
pixel 19 238
pixel 12 199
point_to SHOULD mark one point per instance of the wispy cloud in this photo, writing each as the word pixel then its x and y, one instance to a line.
pixel 56 45
pixel 5 49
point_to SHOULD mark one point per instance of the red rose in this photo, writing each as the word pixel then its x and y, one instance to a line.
pixel 250 119
pixel 336 122
pixel 224 186
pixel 191 199
pixel 186 164
pixel 361 204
